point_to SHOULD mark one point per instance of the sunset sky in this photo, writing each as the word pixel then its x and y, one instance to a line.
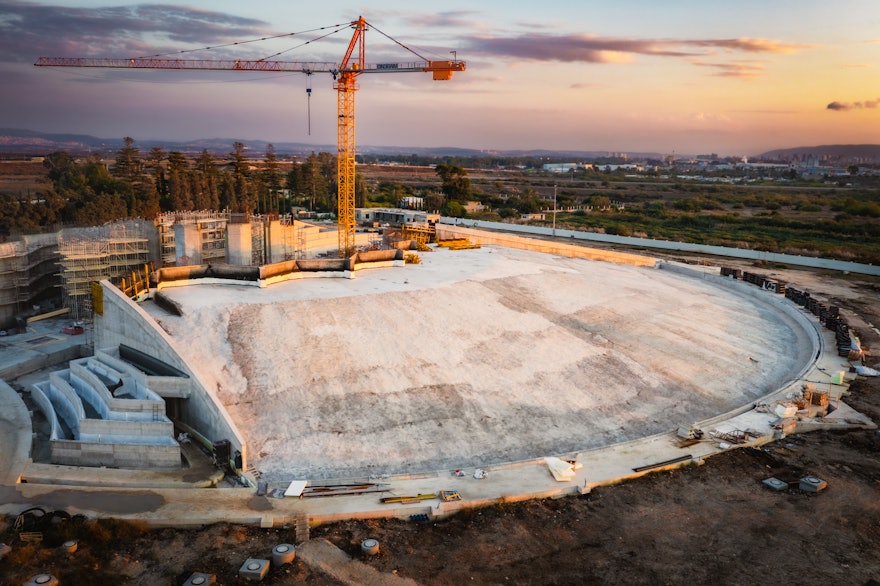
pixel 734 78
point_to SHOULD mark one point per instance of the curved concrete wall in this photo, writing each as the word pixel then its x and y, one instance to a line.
pixel 123 322
pixel 62 407
pixel 806 261
pixel 42 400
pixel 546 246
pixel 269 274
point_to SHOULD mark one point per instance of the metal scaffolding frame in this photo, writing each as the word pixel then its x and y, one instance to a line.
pixel 110 251
pixel 212 231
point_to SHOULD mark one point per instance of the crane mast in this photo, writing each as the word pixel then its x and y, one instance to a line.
pixel 346 86
pixel 345 75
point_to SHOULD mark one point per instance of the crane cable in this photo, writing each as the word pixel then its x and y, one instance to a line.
pixel 334 26
pixel 393 40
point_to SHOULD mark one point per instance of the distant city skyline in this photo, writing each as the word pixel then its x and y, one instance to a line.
pixel 683 76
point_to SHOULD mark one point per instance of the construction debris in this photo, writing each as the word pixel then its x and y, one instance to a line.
pixel 562 471
pixel 449 495
pixel 408 499
pixel 457 244
pixel 344 489
pixel 664 463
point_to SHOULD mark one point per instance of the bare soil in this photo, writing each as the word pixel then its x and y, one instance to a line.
pixel 709 524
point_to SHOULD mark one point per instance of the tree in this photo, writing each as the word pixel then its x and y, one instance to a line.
pixel 128 161
pixel 58 163
pixel 271 176
pixel 179 193
pixel 313 181
pixel 206 183
pixel 454 209
pixel 242 201
pixel 454 182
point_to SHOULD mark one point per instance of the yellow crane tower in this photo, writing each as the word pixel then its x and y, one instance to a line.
pixel 345 74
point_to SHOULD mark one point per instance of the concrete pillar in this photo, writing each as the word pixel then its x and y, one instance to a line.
pixel 239 244
pixel 275 243
pixel 187 245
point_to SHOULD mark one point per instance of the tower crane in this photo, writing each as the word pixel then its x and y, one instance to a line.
pixel 345 74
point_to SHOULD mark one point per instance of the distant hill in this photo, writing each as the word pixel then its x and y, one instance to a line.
pixel 866 152
pixel 28 142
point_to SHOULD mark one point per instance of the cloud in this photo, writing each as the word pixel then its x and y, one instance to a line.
pixel 748 45
pixel 596 49
pixel 737 69
pixel 29 30
pixel 457 18
pixel 847 106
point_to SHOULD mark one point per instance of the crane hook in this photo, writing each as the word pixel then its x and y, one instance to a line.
pixel 309 99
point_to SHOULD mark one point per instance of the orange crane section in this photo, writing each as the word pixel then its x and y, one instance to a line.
pixel 344 73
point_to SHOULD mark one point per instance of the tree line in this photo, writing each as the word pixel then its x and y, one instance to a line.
pixel 88 192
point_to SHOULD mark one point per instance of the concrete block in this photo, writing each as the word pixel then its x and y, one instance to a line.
pixel 254 569
pixel 283 553
pixel 775 484
pixel 812 484
pixel 370 546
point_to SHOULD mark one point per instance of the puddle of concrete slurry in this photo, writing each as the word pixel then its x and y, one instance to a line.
pixel 119 503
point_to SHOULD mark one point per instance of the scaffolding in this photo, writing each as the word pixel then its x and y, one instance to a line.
pixel 212 232
pixel 28 276
pixel 111 251
pixel 421 233
pixel 258 238
pixel 293 239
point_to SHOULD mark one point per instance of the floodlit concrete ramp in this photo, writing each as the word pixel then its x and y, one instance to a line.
pixel 477 357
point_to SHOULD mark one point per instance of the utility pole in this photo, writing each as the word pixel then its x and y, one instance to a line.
pixel 554 211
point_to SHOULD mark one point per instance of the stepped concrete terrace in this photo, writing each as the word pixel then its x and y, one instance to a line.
pixel 101 416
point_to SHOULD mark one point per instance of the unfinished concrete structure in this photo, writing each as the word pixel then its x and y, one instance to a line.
pixel 28 276
pixel 476 357
pixel 101 412
pixel 47 271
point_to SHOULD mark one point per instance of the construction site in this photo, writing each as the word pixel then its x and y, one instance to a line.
pixel 377 387
pixel 46 275
pixel 317 419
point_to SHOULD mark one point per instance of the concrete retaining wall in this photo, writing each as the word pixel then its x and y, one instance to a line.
pixel 123 322
pixel 170 386
pixel 270 274
pixel 115 455
pixel 805 261
pixel 546 246
pixel 45 405
pixel 35 360
pixel 61 393
pixel 146 429
pixel 48 397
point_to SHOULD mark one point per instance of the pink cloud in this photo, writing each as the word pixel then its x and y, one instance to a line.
pixel 847 106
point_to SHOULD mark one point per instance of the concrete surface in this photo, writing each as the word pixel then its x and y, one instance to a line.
pixel 476 358
pixel 181 505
